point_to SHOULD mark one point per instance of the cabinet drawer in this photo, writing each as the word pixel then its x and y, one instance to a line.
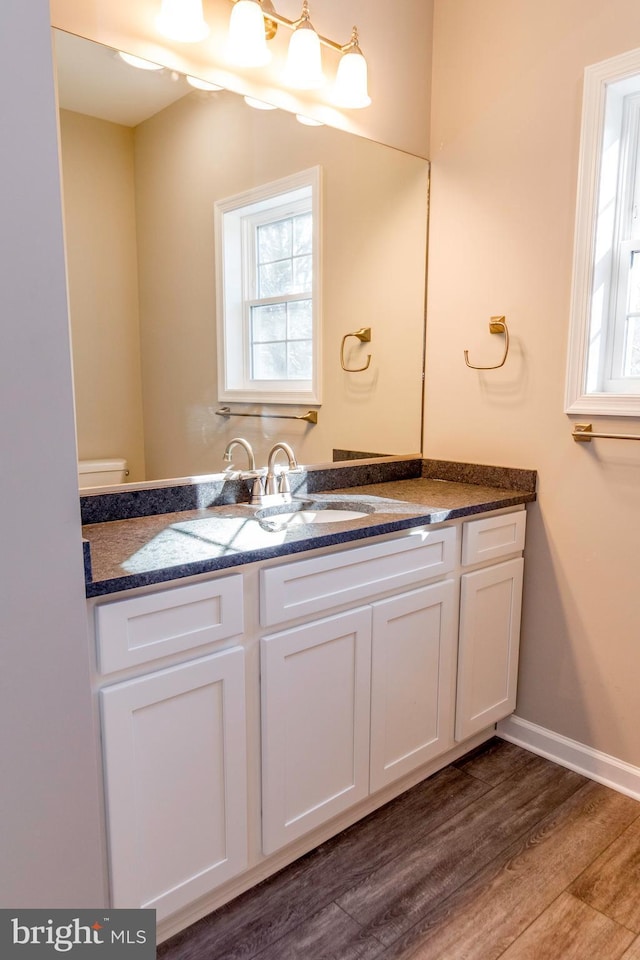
pixel 307 587
pixel 143 629
pixel 493 537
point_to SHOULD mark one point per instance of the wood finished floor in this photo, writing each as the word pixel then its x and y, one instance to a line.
pixel 503 854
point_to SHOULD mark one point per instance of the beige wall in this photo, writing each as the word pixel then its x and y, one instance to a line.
pixel 506 116
pixel 397 45
pixel 373 256
pixel 100 236
pixel 50 828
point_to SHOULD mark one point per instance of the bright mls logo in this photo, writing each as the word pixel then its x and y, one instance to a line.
pixel 41 933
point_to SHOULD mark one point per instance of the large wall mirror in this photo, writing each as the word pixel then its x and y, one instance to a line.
pixel 603 375
pixel 145 159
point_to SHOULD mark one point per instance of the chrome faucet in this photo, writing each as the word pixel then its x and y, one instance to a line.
pixel 246 446
pixel 282 485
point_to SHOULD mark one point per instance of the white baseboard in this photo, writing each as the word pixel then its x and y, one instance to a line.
pixel 598 766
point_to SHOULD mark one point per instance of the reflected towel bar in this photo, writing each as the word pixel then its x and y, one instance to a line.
pixel 583 433
pixel 311 416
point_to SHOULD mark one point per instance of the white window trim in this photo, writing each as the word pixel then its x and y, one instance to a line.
pixel 587 315
pixel 231 328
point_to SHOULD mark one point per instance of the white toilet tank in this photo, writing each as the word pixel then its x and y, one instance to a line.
pixel 100 473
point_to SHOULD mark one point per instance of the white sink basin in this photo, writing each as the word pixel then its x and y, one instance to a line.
pixel 315 516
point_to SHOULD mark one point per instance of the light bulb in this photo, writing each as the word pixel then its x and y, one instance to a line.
pixel 350 89
pixel 308 121
pixel 247 43
pixel 182 20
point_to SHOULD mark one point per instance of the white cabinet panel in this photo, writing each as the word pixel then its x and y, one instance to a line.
pixel 490 604
pixel 142 629
pixel 175 768
pixel 315 724
pixel 308 587
pixel 493 538
pixel 412 681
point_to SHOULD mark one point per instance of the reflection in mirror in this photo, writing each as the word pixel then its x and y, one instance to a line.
pixel 145 159
pixel 604 351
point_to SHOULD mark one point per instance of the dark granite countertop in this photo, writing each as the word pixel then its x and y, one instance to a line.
pixel 146 550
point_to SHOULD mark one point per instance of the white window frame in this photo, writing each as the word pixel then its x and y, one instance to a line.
pixel 235 220
pixel 606 177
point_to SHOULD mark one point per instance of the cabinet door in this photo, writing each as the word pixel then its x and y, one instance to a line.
pixel 315 724
pixel 490 603
pixel 412 681
pixel 175 768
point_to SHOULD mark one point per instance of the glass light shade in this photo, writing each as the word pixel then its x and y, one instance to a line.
pixel 303 68
pixel 182 20
pixel 308 121
pixel 202 84
pixel 350 88
pixel 138 62
pixel 247 43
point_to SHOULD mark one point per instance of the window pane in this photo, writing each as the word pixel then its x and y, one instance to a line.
pixel 631 366
pixel 269 323
pixel 274 241
pixel 300 320
pixel 274 279
pixel 269 361
pixel 299 357
pixel 302 234
pixel 302 274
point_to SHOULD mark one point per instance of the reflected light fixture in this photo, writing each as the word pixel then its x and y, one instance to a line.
pixel 138 62
pixel 308 121
pixel 199 84
pixel 182 20
pixel 253 22
pixel 247 41
pixel 259 104
pixel 303 69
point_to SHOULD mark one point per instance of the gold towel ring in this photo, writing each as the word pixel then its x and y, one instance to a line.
pixel 496 325
pixel 364 336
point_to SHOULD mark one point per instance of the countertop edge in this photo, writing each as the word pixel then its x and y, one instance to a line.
pixel 435 515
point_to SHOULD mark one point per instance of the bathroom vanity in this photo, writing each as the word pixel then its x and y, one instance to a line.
pixel 250 710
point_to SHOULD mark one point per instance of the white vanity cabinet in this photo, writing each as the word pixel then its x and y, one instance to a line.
pixel 248 716
pixel 174 746
pixel 489 637
pixel 352 702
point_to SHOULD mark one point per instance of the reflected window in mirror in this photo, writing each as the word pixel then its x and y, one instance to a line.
pixel 268 270
pixel 603 374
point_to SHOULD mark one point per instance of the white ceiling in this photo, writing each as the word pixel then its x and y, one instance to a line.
pixel 94 80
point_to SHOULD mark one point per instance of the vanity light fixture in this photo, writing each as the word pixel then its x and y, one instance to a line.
pixel 247 41
pixel 303 69
pixel 138 62
pixel 182 20
pixel 350 89
pixel 199 84
pixel 254 22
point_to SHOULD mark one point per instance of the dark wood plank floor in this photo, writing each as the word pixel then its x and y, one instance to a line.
pixel 503 854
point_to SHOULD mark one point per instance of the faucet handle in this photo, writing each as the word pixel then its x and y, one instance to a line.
pixel 283 482
pixel 257 486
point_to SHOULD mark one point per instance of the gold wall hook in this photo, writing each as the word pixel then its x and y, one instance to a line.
pixel 496 325
pixel 364 336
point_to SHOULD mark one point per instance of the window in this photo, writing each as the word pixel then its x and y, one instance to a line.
pixel 268 279
pixel 603 374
